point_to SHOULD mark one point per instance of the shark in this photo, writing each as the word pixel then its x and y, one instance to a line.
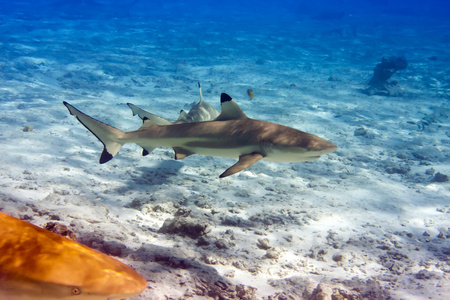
pixel 36 264
pixel 200 112
pixel 232 134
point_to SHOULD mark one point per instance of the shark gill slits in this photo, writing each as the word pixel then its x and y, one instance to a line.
pixel 225 98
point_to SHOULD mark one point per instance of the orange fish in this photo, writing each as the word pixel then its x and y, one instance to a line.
pixel 38 264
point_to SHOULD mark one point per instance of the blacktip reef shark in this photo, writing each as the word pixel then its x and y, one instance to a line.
pixel 38 264
pixel 200 112
pixel 232 134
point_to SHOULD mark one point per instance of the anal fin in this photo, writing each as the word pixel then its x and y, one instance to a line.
pixel 244 162
pixel 146 150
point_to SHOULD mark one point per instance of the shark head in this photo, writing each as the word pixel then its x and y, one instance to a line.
pixel 318 146
pixel 286 144
pixel 38 264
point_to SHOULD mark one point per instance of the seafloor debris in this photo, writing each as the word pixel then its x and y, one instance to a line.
pixel 379 84
pixel 185 226
pixel 438 115
pixel 304 288
pixel 222 290
pixel 27 128
pixel 439 177
pixel 264 244
pixel 361 131
pixel 61 230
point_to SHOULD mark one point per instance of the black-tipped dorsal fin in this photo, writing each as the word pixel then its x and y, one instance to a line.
pixel 230 109
pixel 182 118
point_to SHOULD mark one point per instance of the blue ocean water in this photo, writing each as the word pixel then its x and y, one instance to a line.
pixel 205 33
pixel 381 200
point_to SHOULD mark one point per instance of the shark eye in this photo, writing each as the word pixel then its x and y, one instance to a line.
pixel 76 291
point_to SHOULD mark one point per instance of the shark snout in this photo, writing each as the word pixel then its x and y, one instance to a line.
pixel 330 147
pixel 321 146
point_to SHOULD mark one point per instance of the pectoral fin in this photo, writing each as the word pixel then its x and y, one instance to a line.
pixel 244 162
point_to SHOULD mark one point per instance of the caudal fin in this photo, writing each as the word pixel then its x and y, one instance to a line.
pixel 108 135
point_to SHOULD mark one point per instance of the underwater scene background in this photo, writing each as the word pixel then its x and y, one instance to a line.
pixel 370 220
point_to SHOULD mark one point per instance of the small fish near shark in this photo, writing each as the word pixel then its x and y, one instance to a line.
pixel 36 264
pixel 200 112
pixel 232 134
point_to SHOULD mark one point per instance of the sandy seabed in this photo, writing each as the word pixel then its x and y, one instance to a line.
pixel 371 220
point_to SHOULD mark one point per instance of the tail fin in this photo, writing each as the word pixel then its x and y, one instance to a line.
pixel 108 135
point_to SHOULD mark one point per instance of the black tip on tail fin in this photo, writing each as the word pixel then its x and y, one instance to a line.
pixel 106 156
pixel 68 106
pixel 225 98
pixel 108 135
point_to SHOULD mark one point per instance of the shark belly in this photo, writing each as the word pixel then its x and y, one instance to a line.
pixel 221 152
pixel 224 147
pixel 283 157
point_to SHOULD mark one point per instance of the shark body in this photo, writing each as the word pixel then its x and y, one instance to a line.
pixel 200 112
pixel 232 134
pixel 36 264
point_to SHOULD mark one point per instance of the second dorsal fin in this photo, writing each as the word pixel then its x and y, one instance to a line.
pixel 147 123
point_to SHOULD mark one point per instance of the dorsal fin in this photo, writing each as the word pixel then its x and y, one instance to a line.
pixel 182 118
pixel 183 114
pixel 145 114
pixel 230 109
pixel 201 94
pixel 147 123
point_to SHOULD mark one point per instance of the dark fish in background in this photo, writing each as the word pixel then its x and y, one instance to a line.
pixel 379 84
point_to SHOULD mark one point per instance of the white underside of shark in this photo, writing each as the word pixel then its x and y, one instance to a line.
pixel 232 134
